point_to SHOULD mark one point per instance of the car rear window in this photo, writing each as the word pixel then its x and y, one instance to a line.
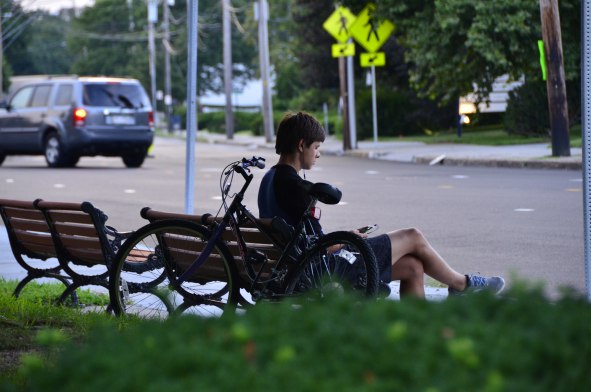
pixel 126 95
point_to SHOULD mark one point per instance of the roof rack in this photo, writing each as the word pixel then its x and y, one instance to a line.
pixel 42 77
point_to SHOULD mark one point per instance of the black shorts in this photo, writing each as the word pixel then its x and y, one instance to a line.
pixel 382 248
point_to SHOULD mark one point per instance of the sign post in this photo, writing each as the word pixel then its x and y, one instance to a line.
pixel 339 25
pixel 371 33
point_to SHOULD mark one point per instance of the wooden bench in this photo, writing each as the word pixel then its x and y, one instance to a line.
pixel 258 243
pixel 73 233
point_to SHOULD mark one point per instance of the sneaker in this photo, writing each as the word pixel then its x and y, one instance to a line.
pixel 494 284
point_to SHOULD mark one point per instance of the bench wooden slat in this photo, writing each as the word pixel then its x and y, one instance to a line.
pixel 72 217
pixel 27 237
pixel 76 229
pixel 40 249
pixel 69 242
pixel 24 214
pixel 87 256
pixel 29 225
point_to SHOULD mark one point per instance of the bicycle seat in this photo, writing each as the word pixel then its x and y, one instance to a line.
pixel 325 193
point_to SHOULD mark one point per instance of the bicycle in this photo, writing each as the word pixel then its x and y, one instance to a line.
pixel 177 260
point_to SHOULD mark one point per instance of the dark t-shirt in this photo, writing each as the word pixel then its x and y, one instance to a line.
pixel 283 193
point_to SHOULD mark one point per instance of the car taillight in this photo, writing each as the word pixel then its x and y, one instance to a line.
pixel 151 119
pixel 79 117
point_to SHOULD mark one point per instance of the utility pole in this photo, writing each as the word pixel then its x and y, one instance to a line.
pixel 555 82
pixel 227 28
pixel 152 18
pixel 262 13
pixel 167 93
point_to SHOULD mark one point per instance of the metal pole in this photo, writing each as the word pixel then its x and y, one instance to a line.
pixel 227 36
pixel 586 130
pixel 351 98
pixel 193 15
pixel 267 106
pixel 374 105
pixel 1 57
pixel 167 93
pixel 152 18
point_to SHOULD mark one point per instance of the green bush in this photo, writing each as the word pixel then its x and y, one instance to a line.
pixel 312 100
pixel 475 343
pixel 527 110
pixel 399 113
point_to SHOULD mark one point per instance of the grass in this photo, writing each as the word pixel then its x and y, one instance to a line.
pixel 486 136
pixel 31 324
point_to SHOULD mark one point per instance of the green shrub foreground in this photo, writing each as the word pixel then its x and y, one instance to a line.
pixel 521 342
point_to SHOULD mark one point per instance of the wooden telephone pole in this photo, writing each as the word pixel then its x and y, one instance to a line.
pixel 555 82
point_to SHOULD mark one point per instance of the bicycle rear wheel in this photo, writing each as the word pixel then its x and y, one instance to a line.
pixel 144 279
pixel 339 262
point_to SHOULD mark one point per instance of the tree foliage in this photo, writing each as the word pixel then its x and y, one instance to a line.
pixel 111 38
pixel 453 45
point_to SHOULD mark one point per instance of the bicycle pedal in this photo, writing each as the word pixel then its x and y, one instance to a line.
pixel 254 256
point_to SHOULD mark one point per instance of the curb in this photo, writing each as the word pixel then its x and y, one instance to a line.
pixel 535 163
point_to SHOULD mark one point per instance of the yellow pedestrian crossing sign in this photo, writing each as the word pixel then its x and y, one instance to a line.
pixel 377 59
pixel 369 31
pixel 339 24
pixel 343 50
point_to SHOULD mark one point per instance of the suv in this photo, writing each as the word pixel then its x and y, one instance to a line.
pixel 66 117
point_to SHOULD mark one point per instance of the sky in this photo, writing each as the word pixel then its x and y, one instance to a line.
pixel 53 5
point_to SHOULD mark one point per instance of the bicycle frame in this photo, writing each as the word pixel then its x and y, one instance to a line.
pixel 235 215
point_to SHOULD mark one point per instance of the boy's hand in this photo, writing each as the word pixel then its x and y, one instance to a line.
pixel 360 234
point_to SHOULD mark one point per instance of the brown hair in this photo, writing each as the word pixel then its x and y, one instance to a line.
pixel 295 127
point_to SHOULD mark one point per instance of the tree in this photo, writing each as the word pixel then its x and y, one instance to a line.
pixel 452 45
pixel 110 38
pixel 47 49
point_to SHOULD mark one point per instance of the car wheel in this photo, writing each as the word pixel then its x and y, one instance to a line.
pixel 2 157
pixel 135 159
pixel 55 156
pixel 73 161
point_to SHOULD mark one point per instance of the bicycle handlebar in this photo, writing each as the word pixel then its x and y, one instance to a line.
pixel 254 161
pixel 243 166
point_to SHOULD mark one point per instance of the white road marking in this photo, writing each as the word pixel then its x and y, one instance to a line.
pixel 524 210
pixel 460 177
pixel 371 172
pixel 59 186
pixel 10 180
pixel 129 191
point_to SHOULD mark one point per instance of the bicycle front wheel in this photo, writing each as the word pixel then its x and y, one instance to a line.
pixel 145 281
pixel 339 262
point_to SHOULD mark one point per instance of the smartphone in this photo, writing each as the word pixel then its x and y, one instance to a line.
pixel 368 229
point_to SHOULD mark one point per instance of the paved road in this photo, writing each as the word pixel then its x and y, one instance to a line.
pixel 487 220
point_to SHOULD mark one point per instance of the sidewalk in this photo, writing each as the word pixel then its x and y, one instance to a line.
pixel 537 156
